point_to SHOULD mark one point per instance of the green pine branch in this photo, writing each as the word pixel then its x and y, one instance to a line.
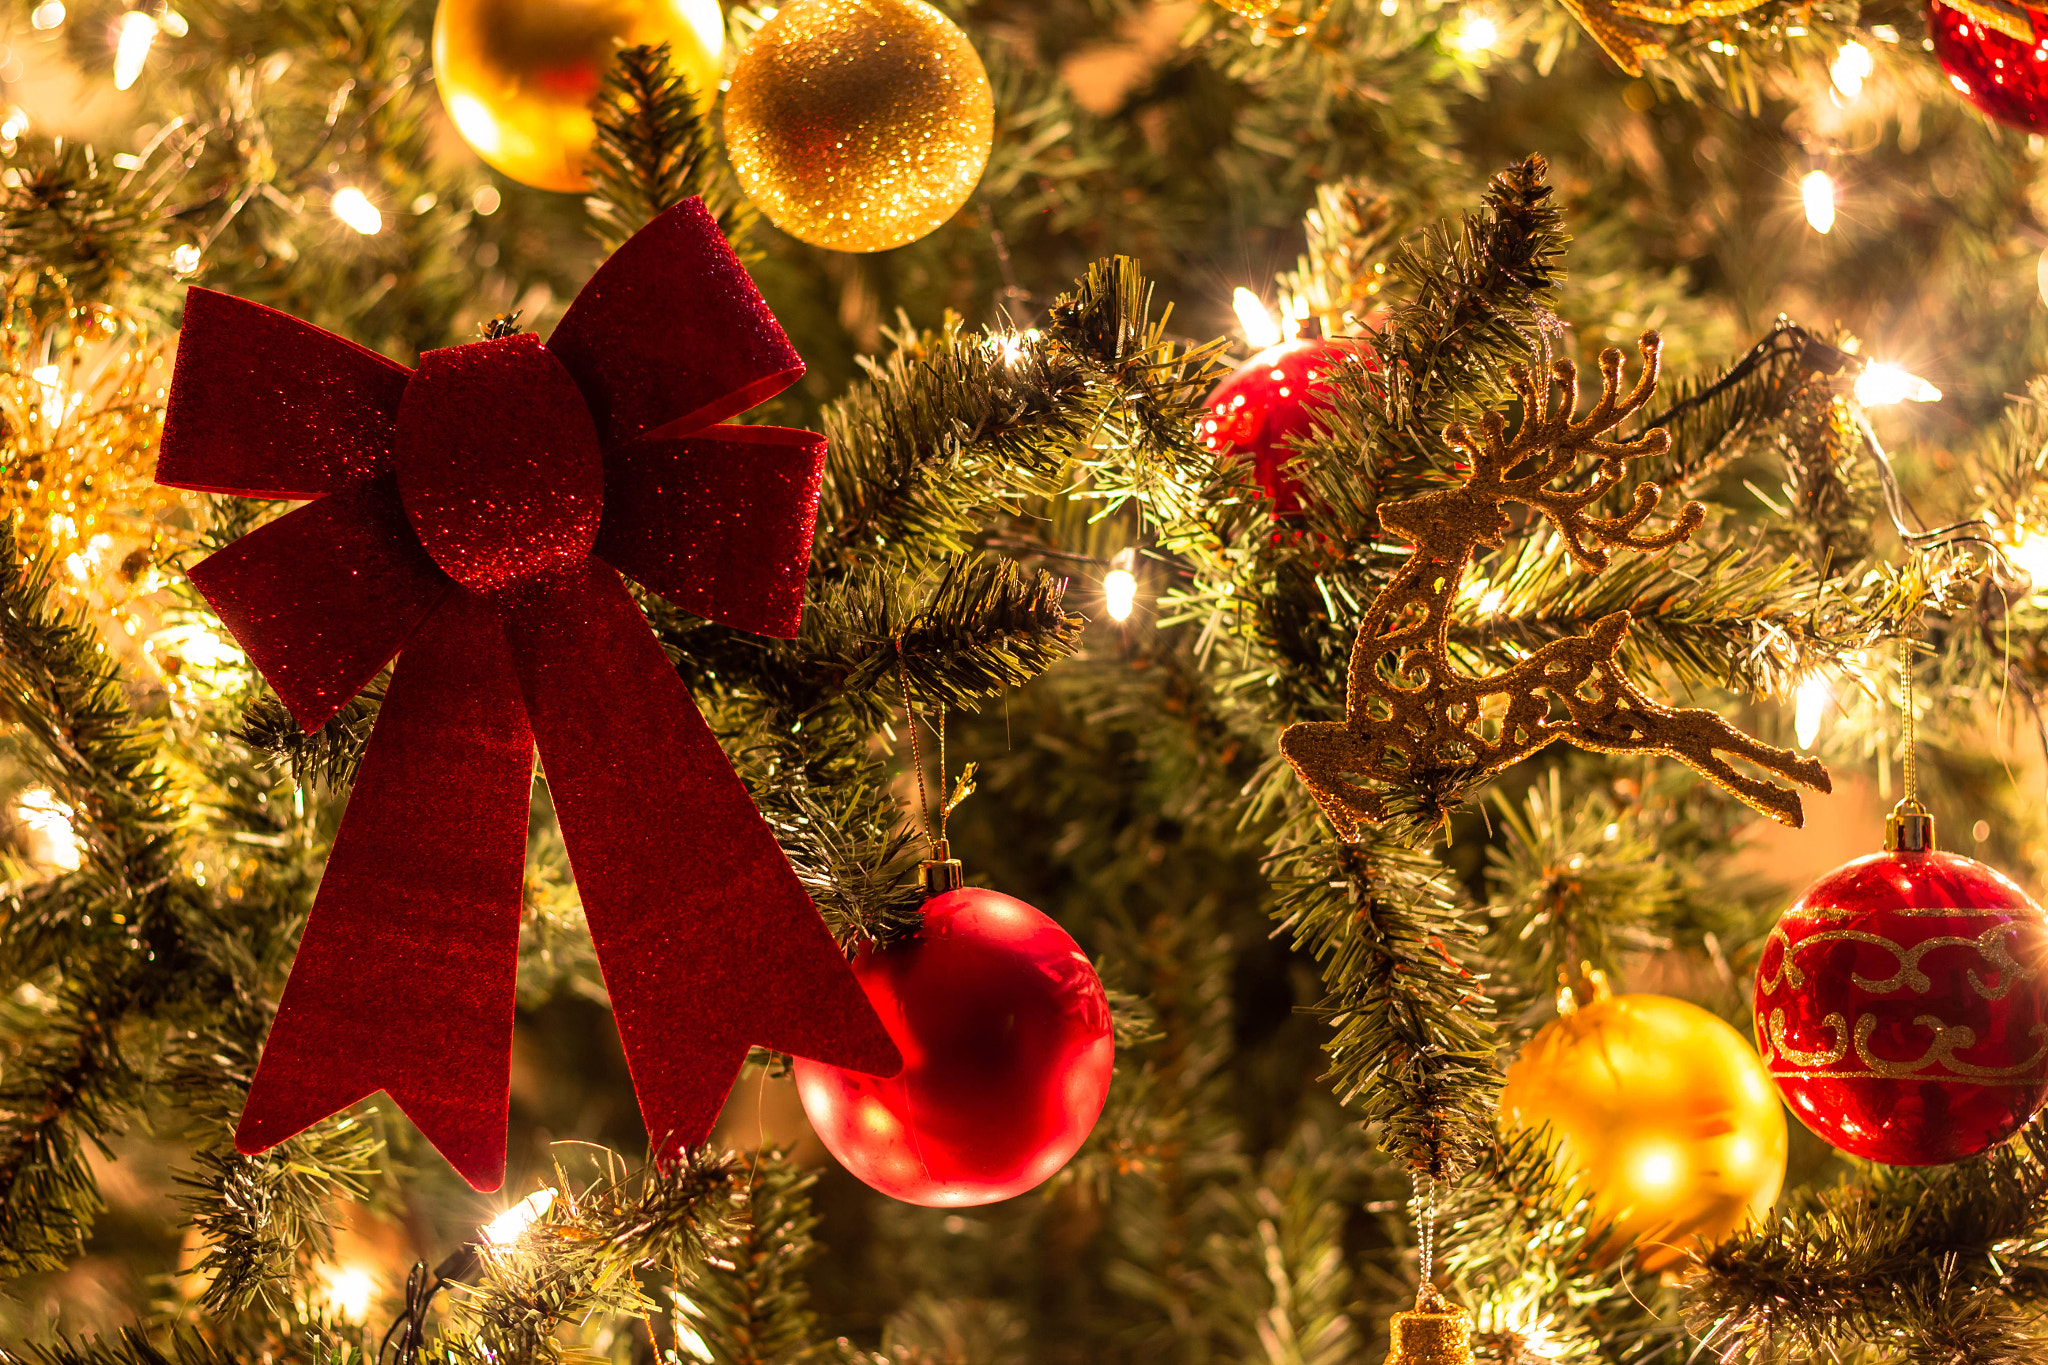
pixel 1412 1046
pixel 654 149
pixel 751 1305
pixel 1947 1263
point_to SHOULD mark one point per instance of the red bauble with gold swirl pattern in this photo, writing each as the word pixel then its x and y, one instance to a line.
pixel 2001 67
pixel 1902 1007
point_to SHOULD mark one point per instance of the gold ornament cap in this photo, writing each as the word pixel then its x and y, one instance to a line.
pixel 1437 1332
pixel 1909 828
pixel 941 872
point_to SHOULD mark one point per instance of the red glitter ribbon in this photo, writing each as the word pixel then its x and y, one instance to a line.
pixel 475 514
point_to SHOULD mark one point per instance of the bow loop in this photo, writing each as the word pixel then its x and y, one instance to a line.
pixel 263 405
pixel 719 523
pixel 670 335
pixel 322 598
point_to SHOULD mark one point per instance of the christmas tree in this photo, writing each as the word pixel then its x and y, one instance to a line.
pixel 1410 531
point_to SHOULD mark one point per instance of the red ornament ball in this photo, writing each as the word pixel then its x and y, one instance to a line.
pixel 1007 1052
pixel 1902 1007
pixel 2005 77
pixel 1268 399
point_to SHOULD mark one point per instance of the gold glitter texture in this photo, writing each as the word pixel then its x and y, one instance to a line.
pixel 859 125
pixel 518 76
pixel 81 405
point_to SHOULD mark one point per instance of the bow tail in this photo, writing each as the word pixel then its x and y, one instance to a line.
pixel 707 941
pixel 404 980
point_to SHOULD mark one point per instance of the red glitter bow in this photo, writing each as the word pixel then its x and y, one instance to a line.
pixel 473 512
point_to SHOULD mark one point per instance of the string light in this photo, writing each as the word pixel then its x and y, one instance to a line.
pixel 348 1291
pixel 185 259
pixel 131 47
pixel 1476 33
pixel 1260 331
pixel 1852 66
pixel 1817 192
pixel 1120 585
pixel 1809 706
pixel 47 15
pixel 509 1226
pixel 50 820
pixel 353 207
pixel 1880 385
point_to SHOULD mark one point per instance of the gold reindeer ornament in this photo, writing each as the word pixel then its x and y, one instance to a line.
pixel 1409 712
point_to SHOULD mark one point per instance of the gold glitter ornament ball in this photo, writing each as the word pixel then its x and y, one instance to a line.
pixel 518 76
pixel 859 125
pixel 1664 1112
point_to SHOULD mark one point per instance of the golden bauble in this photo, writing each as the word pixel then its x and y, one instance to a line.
pixel 859 125
pixel 1663 1111
pixel 1435 1333
pixel 518 76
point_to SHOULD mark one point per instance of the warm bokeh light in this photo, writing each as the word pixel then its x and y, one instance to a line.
pixel 1881 384
pixel 1474 33
pixel 1260 330
pixel 1810 706
pixel 1852 66
pixel 509 1226
pixel 131 47
pixel 1119 593
pixel 353 207
pixel 50 821
pixel 348 1291
pixel 1817 193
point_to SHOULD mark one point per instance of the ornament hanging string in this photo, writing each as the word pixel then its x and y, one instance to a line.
pixel 1423 1210
pixel 949 797
pixel 1910 769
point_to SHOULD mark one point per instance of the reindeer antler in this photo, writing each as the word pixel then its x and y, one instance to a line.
pixel 1411 717
pixel 1551 437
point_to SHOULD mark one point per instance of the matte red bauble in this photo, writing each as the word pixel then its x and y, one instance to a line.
pixel 2003 75
pixel 1902 1007
pixel 1268 399
pixel 1007 1051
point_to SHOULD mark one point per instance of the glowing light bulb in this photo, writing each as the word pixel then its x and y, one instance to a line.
pixel 348 1290
pixel 1879 385
pixel 509 1226
pixel 1852 66
pixel 47 15
pixel 1655 1169
pixel 131 47
pixel 1120 585
pixel 1475 33
pixel 185 259
pixel 50 820
pixel 1259 328
pixel 353 207
pixel 1817 192
pixel 1810 705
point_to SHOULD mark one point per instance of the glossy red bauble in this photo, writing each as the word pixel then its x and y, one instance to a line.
pixel 1902 1007
pixel 1266 400
pixel 2004 76
pixel 1006 1045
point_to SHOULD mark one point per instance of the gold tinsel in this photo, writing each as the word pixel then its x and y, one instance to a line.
pixel 81 406
pixel 859 125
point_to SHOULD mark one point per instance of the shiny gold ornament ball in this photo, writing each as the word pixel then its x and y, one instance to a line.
pixel 518 76
pixel 1665 1113
pixel 859 125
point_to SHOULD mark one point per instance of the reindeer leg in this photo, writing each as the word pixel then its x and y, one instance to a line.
pixel 1320 751
pixel 1698 739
